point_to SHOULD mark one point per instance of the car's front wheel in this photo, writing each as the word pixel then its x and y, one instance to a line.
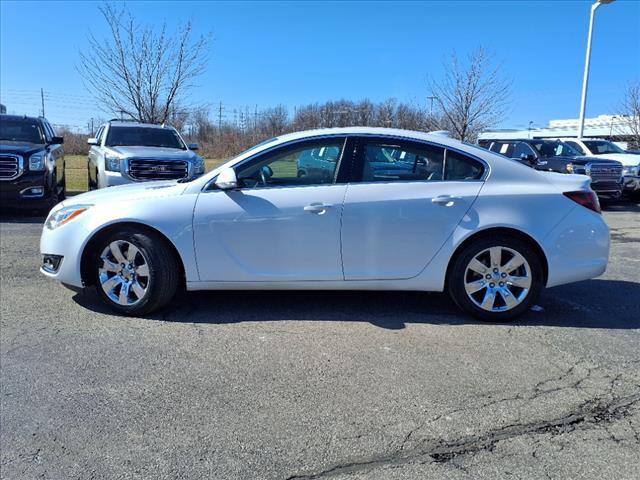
pixel 496 278
pixel 135 272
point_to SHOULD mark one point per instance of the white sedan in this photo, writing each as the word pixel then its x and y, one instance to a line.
pixel 352 209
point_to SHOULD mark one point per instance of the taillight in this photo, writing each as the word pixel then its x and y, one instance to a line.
pixel 585 198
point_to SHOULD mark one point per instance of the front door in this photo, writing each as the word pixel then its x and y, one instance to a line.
pixel 282 224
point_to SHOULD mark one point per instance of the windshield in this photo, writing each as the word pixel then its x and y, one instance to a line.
pixel 598 147
pixel 21 130
pixel 548 149
pixel 144 137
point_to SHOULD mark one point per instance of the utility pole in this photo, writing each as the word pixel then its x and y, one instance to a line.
pixel 431 99
pixel 255 123
pixel 42 99
pixel 585 76
pixel 220 119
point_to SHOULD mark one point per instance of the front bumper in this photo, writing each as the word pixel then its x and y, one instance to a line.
pixel 63 247
pixel 631 184
pixel 604 188
pixel 30 190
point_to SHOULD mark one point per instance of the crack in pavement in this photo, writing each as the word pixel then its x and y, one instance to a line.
pixel 438 451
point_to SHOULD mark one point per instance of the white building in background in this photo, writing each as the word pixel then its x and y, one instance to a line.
pixel 610 127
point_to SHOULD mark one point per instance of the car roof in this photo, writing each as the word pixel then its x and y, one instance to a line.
pixel 22 117
pixel 125 123
pixel 439 137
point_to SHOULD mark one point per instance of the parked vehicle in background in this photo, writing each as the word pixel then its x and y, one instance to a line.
pixel 605 149
pixel 31 163
pixel 397 210
pixel 557 156
pixel 124 152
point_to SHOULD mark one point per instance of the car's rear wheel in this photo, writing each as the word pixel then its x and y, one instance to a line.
pixel 496 278
pixel 135 272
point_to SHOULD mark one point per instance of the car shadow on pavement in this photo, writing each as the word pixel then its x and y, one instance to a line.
pixel 27 216
pixel 590 304
pixel 622 205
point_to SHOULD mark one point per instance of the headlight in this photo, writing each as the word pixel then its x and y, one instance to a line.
pixel 573 168
pixel 631 171
pixel 37 162
pixel 112 163
pixel 198 166
pixel 64 215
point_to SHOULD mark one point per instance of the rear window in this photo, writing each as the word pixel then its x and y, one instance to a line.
pixel 144 137
pixel 21 130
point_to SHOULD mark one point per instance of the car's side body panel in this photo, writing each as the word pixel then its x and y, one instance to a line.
pixel 401 220
pixel 247 223
pixel 164 210
pixel 267 235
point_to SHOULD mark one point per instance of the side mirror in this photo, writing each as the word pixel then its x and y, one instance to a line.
pixel 57 140
pixel 227 179
pixel 193 146
pixel 93 141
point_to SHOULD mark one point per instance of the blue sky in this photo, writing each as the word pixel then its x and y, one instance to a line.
pixel 266 53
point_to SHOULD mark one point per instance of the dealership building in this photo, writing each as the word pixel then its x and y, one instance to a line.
pixel 610 127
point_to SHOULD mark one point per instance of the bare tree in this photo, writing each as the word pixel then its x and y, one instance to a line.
pixel 630 109
pixel 471 97
pixel 140 71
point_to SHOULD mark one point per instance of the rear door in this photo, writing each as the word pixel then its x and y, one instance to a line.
pixel 405 201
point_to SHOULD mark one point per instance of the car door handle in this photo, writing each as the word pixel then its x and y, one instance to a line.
pixel 318 208
pixel 446 200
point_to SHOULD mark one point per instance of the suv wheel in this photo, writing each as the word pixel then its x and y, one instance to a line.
pixel 135 272
pixel 496 278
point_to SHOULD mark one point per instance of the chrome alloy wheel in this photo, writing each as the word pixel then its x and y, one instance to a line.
pixel 497 279
pixel 124 273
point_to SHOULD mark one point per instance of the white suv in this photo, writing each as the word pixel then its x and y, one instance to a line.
pixel 608 150
pixel 124 152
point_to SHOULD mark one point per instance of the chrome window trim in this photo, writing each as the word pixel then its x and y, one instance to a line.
pixel 346 136
pixel 487 167
pixel 208 187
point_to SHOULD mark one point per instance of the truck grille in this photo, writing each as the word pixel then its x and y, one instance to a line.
pixel 10 166
pixel 602 172
pixel 150 169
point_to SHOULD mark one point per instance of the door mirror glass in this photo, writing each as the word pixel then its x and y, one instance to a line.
pixel 227 179
pixel 57 140
pixel 93 141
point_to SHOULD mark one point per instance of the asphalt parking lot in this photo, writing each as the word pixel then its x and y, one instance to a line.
pixel 281 385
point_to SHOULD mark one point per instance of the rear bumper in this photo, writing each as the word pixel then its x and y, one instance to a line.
pixel 577 248
pixel 30 190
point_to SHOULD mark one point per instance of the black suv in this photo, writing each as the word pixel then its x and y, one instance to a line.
pixel 31 163
pixel 557 156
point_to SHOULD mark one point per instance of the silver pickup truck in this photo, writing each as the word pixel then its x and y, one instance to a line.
pixel 124 152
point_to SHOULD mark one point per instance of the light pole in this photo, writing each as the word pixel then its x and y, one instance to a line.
pixel 585 78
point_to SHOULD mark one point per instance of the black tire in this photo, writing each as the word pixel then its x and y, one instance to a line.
pixel 62 195
pixel 164 271
pixel 90 184
pixel 458 271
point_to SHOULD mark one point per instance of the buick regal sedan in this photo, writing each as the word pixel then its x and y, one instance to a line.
pixel 351 209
